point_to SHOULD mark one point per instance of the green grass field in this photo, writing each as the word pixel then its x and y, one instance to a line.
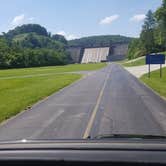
pixel 18 92
pixel 49 70
pixel 155 82
pixel 138 62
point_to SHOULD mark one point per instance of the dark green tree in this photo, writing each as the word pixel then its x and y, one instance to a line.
pixel 27 28
pixel 147 34
pixel 135 49
pixel 59 38
pixel 160 15
pixel 5 54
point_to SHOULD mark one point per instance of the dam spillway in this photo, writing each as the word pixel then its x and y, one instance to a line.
pixel 94 55
pixel 113 52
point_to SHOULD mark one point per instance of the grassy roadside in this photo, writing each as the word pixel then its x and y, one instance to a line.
pixel 51 69
pixel 17 93
pixel 155 82
pixel 138 62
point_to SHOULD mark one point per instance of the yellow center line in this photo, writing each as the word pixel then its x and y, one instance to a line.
pixel 92 118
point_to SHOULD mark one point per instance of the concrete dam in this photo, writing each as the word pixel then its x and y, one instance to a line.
pixel 114 52
pixel 95 55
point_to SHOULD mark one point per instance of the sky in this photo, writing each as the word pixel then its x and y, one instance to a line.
pixel 78 18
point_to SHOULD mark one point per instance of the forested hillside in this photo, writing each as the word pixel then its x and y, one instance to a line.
pixel 96 41
pixel 153 35
pixel 31 45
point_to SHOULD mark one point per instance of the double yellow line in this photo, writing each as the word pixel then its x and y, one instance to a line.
pixel 94 112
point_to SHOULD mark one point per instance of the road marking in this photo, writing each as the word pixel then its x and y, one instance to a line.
pixel 94 112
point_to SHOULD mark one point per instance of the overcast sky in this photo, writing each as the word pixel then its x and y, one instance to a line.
pixel 78 18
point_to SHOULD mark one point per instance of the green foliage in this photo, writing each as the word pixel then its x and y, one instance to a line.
pixel 98 41
pixel 27 28
pixel 5 53
pixel 38 57
pixel 160 15
pixel 32 40
pixel 29 46
pixel 153 35
pixel 135 49
pixel 59 38
pixel 147 34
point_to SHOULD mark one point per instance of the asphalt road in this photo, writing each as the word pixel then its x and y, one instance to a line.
pixel 107 101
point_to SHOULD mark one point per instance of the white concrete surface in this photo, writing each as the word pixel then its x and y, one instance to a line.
pixel 138 71
pixel 95 54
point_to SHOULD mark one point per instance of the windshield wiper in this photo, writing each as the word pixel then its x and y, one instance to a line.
pixel 132 136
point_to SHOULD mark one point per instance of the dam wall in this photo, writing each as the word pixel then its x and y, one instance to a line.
pixel 76 53
pixel 114 52
pixel 94 55
pixel 118 52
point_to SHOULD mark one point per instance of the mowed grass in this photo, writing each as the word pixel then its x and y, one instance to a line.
pixel 155 82
pixel 18 93
pixel 49 70
pixel 138 62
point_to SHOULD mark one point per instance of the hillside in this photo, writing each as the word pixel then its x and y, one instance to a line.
pixel 31 45
pixel 33 40
pixel 27 28
pixel 98 41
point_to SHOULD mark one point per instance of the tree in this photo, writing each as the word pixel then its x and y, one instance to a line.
pixel 97 41
pixel 147 34
pixel 59 38
pixel 135 49
pixel 160 15
pixel 30 45
pixel 27 28
pixel 5 53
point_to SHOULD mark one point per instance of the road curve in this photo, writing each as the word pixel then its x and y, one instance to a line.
pixel 107 101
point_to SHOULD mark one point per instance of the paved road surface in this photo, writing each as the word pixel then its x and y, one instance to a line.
pixel 110 100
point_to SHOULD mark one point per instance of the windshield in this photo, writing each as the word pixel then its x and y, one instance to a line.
pixel 82 69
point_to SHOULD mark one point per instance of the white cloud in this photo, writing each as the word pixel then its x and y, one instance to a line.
pixel 17 20
pixel 21 19
pixel 31 19
pixel 110 19
pixel 138 17
pixel 67 36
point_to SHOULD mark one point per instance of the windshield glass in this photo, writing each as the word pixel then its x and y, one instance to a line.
pixel 82 69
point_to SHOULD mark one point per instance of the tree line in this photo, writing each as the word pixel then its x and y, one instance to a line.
pixel 153 35
pixel 31 45
pixel 99 41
